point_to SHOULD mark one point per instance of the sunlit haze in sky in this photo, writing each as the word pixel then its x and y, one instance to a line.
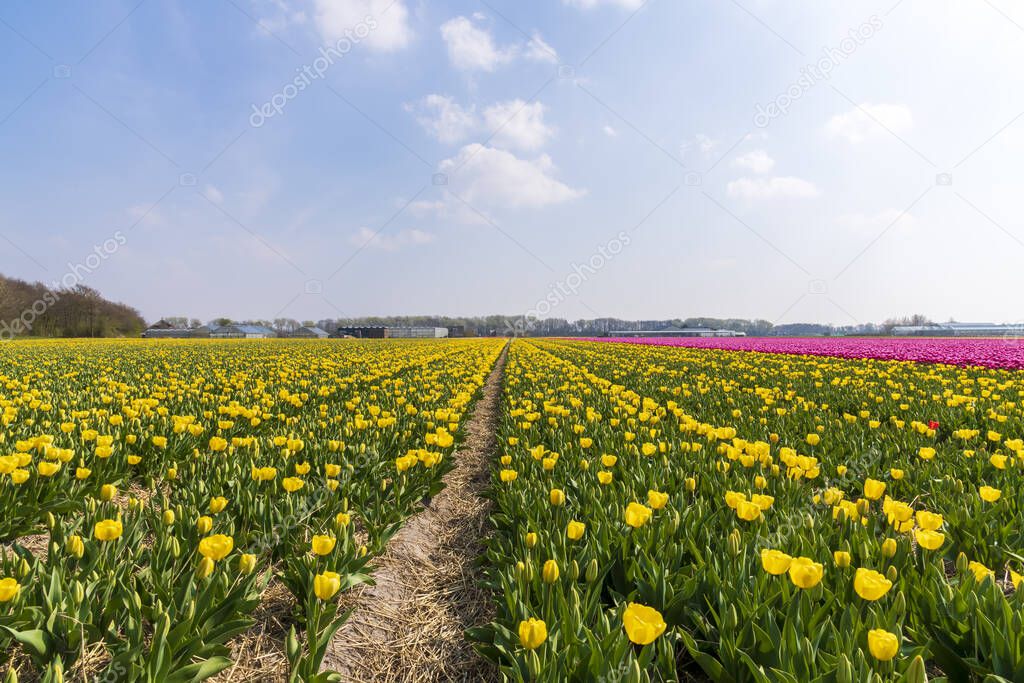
pixel 831 162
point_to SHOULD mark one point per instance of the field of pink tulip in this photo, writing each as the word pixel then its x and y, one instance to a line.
pixel 1005 353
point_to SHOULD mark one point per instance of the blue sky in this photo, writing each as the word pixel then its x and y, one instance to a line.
pixel 795 161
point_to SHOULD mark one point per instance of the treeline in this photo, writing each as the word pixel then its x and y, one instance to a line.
pixel 503 325
pixel 33 309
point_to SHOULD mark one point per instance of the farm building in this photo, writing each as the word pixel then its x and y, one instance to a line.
pixel 382 332
pixel 243 332
pixel 417 332
pixel 677 332
pixel 959 330
pixel 364 332
pixel 307 332
pixel 164 330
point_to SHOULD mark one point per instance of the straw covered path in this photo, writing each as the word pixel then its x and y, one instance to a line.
pixel 409 626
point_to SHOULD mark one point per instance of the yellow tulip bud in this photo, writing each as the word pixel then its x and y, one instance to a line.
pixel 205 568
pixel 107 492
pixel 246 563
pixel 889 547
pixel 550 571
pixel 531 539
pixel 168 517
pixel 204 524
pixel 557 497
pixel 75 546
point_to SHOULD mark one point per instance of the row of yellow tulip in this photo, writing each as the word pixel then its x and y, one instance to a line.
pixel 758 517
pixel 174 480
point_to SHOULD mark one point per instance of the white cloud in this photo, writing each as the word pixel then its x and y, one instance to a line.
pixel 777 187
pixel 371 239
pixel 492 178
pixel 539 51
pixel 861 123
pixel 517 124
pixel 214 195
pixel 444 118
pixel 514 124
pixel 702 143
pixel 471 48
pixel 757 161
pixel 387 21
pixel 590 4
pixel 146 215
pixel 278 15
pixel 873 224
pixel 609 131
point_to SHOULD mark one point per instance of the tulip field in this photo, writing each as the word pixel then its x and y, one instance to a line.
pixel 658 513
pixel 172 481
pixel 675 514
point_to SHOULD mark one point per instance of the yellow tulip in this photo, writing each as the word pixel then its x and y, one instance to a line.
pixel 550 571
pixel 216 547
pixel 168 517
pixel 532 633
pixel 870 585
pixel 342 519
pixel 557 497
pixel 246 563
pixel 989 494
pixel 873 489
pixel 75 546
pixel 842 559
pixel 928 521
pixel 326 585
pixel 748 511
pixel 574 530
pixel 48 469
pixel 9 589
pixel 204 524
pixel 637 515
pixel 508 475
pixel 643 624
pixel 205 568
pixel 980 571
pixel 889 547
pixel 292 484
pixel 929 539
pixel 882 644
pixel 733 498
pixel 656 500
pixel 775 562
pixel 604 477
pixel 531 539
pixel 805 572
pixel 813 439
pixel 218 504
pixel 108 530
pixel 107 492
pixel 323 545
